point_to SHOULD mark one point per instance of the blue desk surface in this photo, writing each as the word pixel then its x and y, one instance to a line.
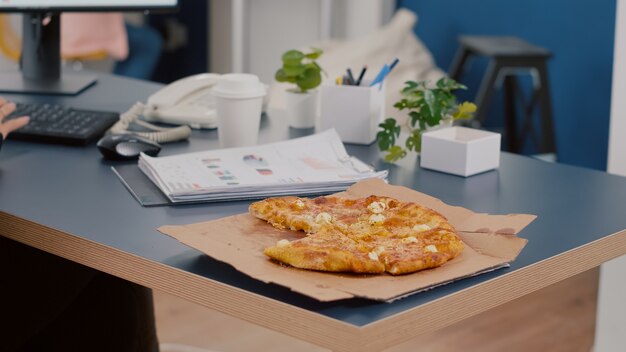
pixel 73 189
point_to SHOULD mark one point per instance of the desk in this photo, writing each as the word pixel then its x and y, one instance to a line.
pixel 67 201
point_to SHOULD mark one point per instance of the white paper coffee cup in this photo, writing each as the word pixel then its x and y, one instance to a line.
pixel 238 106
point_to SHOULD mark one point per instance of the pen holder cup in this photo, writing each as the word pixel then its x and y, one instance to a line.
pixel 354 111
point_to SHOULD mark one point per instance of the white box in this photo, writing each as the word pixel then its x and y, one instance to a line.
pixel 354 111
pixel 460 150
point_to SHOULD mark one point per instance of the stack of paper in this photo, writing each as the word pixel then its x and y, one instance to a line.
pixel 309 165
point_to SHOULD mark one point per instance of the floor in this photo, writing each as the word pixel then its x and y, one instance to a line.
pixel 558 318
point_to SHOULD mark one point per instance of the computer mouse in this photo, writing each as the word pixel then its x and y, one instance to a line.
pixel 126 146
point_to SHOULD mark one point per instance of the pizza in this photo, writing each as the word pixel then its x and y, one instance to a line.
pixel 367 235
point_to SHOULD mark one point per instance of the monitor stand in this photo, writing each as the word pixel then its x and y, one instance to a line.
pixel 40 62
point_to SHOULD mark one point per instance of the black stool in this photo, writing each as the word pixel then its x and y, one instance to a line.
pixel 508 56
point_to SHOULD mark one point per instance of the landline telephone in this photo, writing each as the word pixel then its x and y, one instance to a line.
pixel 187 101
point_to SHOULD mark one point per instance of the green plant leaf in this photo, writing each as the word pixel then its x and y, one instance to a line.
pixel 448 84
pixel 415 117
pixel 292 57
pixel 414 141
pixel 410 87
pixel 465 110
pixel 294 70
pixel 319 68
pixel 427 106
pixel 309 79
pixel 315 54
pixel 387 136
pixel 394 154
pixel 281 76
pixel 429 98
pixel 390 124
pixel 428 118
pixel 448 100
pixel 385 140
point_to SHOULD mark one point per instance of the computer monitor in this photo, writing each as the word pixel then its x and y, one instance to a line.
pixel 40 61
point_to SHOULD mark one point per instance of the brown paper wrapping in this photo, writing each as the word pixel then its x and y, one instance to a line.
pixel 239 240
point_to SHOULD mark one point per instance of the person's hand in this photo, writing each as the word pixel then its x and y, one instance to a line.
pixel 6 108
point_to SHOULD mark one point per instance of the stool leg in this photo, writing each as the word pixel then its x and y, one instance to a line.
pixel 548 144
pixel 458 62
pixel 485 92
pixel 510 114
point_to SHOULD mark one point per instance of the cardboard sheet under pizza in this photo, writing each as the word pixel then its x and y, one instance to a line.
pixel 239 240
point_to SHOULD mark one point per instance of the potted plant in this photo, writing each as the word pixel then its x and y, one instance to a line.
pixel 302 70
pixel 429 107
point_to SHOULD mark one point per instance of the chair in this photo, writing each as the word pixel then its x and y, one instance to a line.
pixel 510 56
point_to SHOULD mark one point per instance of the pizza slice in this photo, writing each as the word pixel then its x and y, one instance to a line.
pixel 367 235
pixel 327 250
pixel 411 254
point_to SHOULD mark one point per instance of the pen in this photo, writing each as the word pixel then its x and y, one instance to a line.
pixel 384 72
pixel 350 77
pixel 381 75
pixel 358 81
pixel 393 64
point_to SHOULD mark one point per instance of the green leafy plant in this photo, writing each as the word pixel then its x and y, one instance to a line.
pixel 301 69
pixel 428 107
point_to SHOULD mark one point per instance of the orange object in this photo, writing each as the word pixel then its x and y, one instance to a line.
pixel 85 35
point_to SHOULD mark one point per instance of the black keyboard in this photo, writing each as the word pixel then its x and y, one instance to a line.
pixel 52 123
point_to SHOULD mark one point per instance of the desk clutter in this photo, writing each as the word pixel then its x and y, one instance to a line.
pixel 291 167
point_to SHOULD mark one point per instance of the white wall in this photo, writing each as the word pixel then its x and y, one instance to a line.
pixel 275 26
pixel 617 131
pixel 220 33
pixel 356 18
pixel 611 318
pixel 251 35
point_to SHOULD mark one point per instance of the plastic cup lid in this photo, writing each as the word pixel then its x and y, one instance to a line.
pixel 239 86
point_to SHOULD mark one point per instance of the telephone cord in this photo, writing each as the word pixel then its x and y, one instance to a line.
pixel 160 134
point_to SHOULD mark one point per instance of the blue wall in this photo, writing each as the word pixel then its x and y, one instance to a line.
pixel 580 34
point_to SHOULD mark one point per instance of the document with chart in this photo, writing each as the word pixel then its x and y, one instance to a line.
pixel 309 165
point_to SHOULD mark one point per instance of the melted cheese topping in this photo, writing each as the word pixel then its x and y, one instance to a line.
pixel 377 207
pixel 376 219
pixel 299 204
pixel 431 248
pixel 282 243
pixel 421 228
pixel 410 239
pixel 323 218
pixel 372 255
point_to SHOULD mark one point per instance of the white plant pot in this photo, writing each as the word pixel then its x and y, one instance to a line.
pixel 302 108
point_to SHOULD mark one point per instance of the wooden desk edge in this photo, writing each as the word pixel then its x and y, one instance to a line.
pixel 303 324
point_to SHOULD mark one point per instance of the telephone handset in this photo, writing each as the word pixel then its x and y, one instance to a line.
pixel 187 101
